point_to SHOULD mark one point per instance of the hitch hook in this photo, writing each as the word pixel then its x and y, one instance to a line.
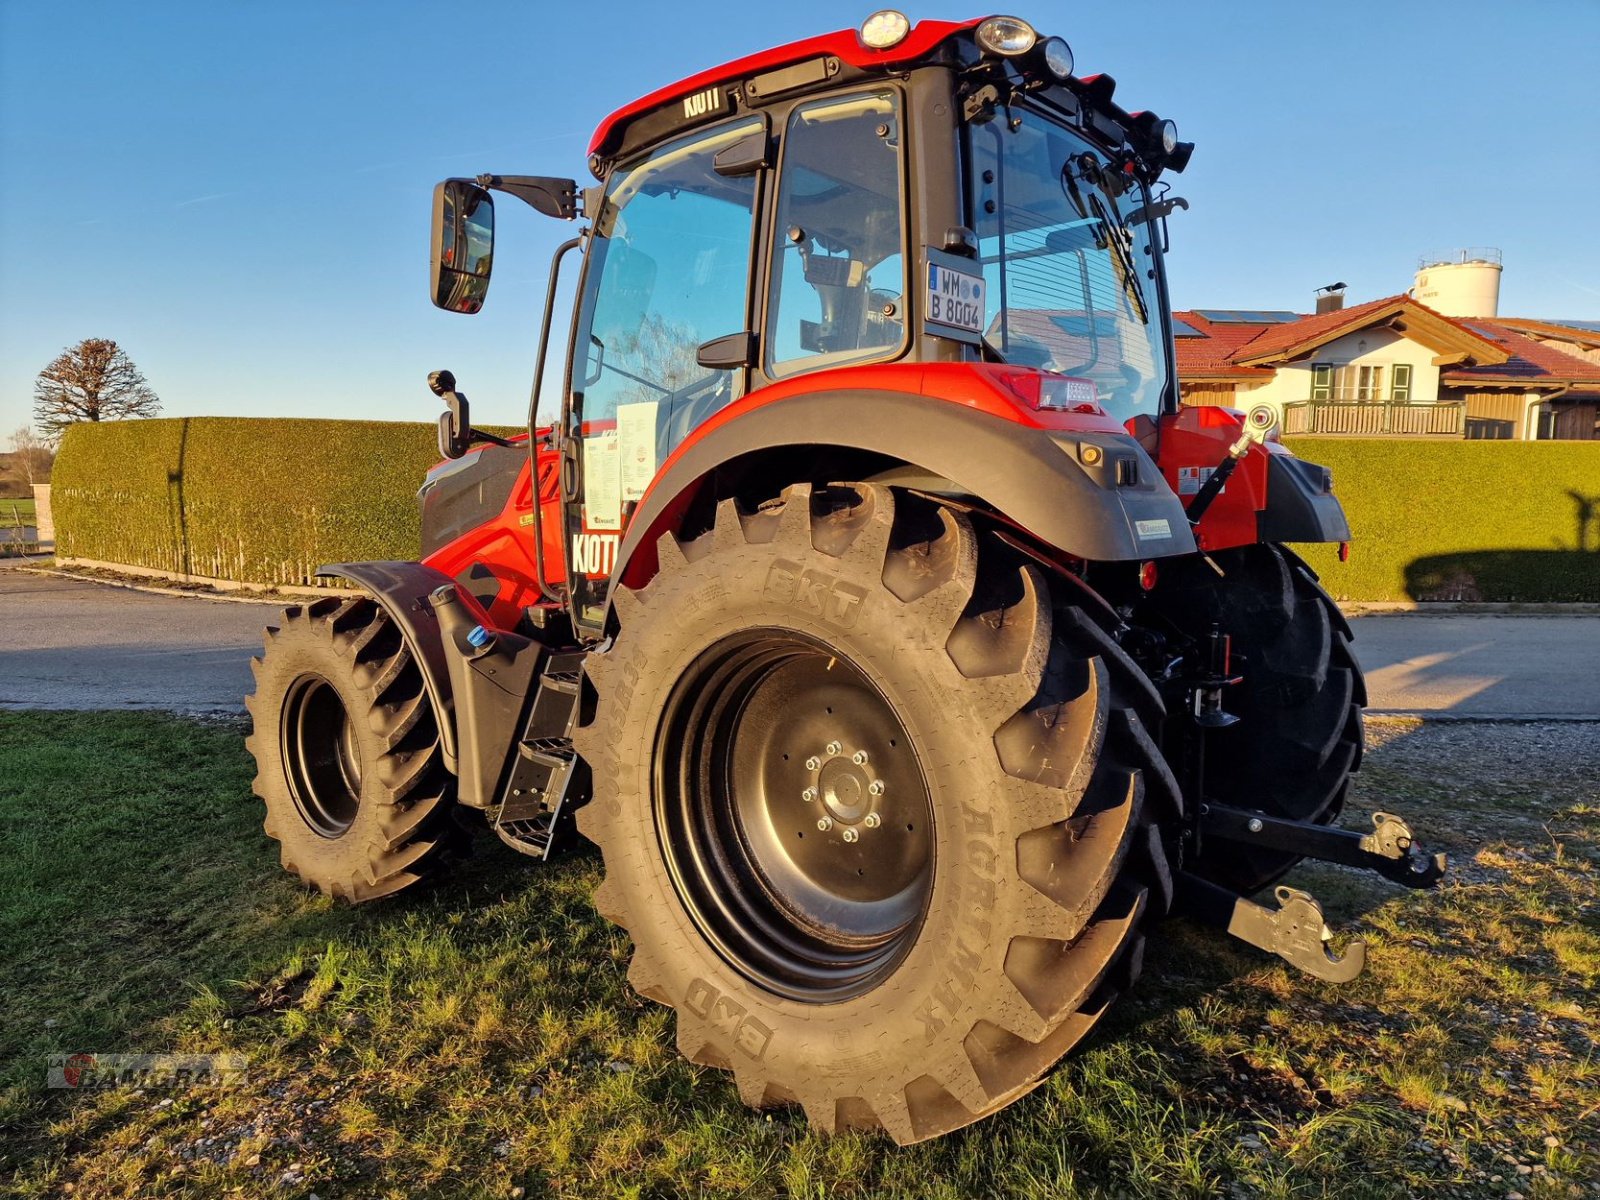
pixel 1295 931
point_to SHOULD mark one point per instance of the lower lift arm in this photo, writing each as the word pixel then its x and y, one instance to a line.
pixel 1296 932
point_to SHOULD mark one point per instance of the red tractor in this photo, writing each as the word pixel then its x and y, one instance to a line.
pixel 904 645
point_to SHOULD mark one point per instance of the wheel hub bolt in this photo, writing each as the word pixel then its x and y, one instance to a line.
pixel 1255 825
pixel 833 747
pixel 850 835
pixel 875 788
pixel 813 763
pixel 859 758
pixel 809 795
pixel 872 820
pixel 825 824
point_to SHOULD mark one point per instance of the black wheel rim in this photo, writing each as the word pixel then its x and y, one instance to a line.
pixel 320 755
pixel 794 815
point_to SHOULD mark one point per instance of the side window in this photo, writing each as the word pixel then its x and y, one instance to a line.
pixel 670 271
pixel 1400 382
pixel 838 275
pixel 1322 381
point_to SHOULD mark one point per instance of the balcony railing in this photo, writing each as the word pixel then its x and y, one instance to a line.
pixel 1376 418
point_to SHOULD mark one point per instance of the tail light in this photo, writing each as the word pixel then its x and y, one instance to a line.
pixel 1047 392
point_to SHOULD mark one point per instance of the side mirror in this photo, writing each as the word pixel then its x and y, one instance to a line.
pixel 455 423
pixel 463 245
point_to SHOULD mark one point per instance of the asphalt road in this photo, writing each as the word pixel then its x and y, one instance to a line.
pixel 1481 666
pixel 70 644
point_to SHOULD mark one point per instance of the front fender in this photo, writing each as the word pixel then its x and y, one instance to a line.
pixel 403 589
pixel 1034 477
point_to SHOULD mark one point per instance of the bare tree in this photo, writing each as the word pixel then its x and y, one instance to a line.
pixel 92 381
pixel 30 456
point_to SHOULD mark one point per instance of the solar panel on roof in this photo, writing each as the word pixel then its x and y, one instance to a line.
pixel 1246 316
pixel 1586 326
pixel 1491 334
pixel 1182 328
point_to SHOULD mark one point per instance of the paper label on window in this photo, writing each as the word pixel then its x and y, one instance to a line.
pixel 636 447
pixel 602 482
pixel 954 298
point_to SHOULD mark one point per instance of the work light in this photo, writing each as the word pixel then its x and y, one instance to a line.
pixel 1058 58
pixel 884 29
pixel 1007 36
pixel 1167 136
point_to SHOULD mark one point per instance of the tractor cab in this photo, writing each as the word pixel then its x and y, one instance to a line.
pixel 808 218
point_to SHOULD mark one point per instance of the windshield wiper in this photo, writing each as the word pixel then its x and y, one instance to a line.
pixel 1121 242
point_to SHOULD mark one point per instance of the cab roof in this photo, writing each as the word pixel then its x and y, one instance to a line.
pixel 844 45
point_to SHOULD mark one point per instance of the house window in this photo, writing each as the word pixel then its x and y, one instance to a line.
pixel 1367 382
pixel 1400 383
pixel 1346 383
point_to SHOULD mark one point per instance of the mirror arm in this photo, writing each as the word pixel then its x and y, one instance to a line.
pixel 553 197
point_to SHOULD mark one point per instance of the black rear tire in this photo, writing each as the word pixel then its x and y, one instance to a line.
pixel 928 970
pixel 347 752
pixel 1300 736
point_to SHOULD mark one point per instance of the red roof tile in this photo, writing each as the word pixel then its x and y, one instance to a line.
pixel 1542 330
pixel 1446 332
pixel 1531 361
pixel 1281 337
pixel 1210 356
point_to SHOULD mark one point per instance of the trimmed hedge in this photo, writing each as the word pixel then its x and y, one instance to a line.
pixel 259 500
pixel 266 500
pixel 1459 520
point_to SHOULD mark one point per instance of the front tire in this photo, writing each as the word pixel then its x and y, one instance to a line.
pixel 347 752
pixel 1300 736
pixel 909 956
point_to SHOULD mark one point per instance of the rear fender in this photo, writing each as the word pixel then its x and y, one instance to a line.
pixel 1035 477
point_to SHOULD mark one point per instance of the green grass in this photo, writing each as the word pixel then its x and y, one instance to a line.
pixel 16 512
pixel 480 1037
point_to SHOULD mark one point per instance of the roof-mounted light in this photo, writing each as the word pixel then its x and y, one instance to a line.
pixel 884 29
pixel 1058 58
pixel 1166 136
pixel 1006 36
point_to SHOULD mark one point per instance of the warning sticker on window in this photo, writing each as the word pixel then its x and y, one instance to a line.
pixel 954 298
pixel 1191 479
pixel 636 447
pixel 602 482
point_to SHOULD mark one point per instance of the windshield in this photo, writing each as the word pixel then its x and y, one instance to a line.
pixel 1069 269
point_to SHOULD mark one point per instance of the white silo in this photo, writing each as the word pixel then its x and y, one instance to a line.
pixel 1463 283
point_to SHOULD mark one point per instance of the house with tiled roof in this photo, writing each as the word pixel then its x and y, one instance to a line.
pixel 1395 367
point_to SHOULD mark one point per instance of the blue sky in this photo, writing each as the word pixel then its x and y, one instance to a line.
pixel 239 193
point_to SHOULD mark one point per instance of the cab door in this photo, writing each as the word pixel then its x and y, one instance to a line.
pixel 667 271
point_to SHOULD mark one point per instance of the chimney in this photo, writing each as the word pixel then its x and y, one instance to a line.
pixel 1330 298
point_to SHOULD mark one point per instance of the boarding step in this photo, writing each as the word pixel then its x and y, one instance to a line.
pixel 539 796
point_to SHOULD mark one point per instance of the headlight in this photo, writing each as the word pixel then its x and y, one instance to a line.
pixel 1167 136
pixel 1058 58
pixel 884 29
pixel 1008 36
